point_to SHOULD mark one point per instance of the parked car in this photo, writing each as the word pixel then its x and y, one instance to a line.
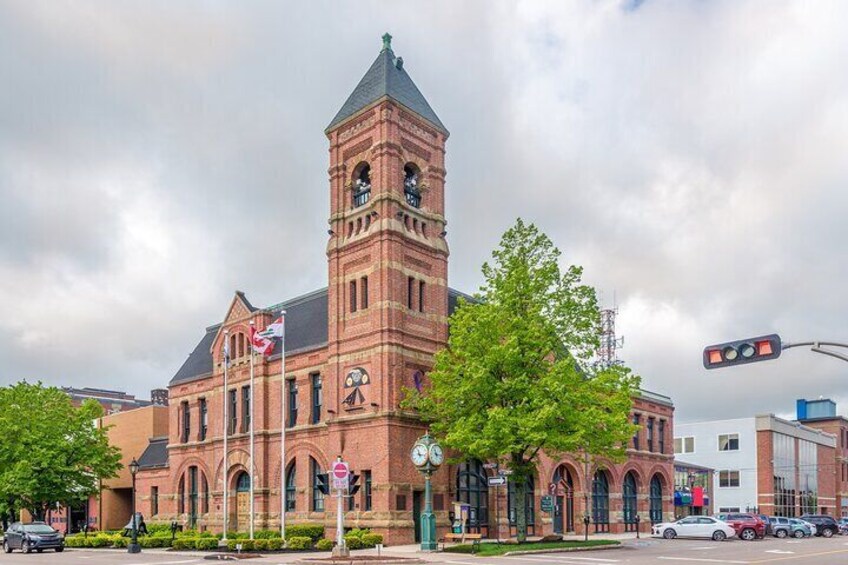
pixel 825 525
pixel 37 535
pixel 783 527
pixel 767 521
pixel 747 526
pixel 808 529
pixel 694 527
pixel 843 525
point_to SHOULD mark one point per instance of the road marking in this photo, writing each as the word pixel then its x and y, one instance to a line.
pixel 701 560
pixel 802 556
pixel 778 551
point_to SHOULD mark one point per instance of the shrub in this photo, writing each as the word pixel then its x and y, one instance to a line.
pixel 153 529
pixel 371 540
pixel 325 544
pixel 311 531
pixel 246 544
pixel 206 543
pixel 185 543
pixel 74 541
pixel 100 540
pixel 120 542
pixel 234 535
pixel 266 534
pixel 299 543
pixel 188 534
pixel 353 542
pixel 275 544
pixel 260 544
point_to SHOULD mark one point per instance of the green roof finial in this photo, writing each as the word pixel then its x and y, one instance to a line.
pixel 387 41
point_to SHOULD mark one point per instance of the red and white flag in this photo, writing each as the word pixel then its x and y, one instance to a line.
pixel 274 330
pixel 261 344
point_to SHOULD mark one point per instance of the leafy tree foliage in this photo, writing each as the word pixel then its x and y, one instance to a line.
pixel 517 378
pixel 50 451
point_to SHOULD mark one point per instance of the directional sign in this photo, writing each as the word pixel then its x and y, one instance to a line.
pixel 340 473
pixel 497 481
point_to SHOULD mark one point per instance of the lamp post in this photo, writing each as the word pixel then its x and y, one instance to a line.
pixel 133 546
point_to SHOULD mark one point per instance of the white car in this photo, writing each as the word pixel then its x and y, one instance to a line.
pixel 695 527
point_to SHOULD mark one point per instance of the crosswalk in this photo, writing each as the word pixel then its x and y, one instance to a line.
pixel 551 558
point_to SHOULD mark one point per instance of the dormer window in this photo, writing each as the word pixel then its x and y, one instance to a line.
pixel 361 184
pixel 411 176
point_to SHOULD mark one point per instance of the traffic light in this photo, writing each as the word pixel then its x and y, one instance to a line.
pixel 322 483
pixel 354 483
pixel 742 351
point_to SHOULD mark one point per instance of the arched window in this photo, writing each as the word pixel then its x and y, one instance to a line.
pixel 529 506
pixel 563 516
pixel 234 354
pixel 192 497
pixel 600 501
pixel 655 499
pixel 317 495
pixel 411 178
pixel 629 496
pixel 472 488
pixel 205 486
pixel 361 184
pixel 291 489
pixel 181 496
pixel 243 482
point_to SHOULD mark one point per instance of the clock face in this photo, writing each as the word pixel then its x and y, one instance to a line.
pixel 419 454
pixel 437 456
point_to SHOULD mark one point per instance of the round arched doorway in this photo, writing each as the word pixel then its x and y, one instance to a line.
pixel 242 501
pixel 563 488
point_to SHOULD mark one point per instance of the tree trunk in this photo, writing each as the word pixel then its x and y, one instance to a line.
pixel 521 509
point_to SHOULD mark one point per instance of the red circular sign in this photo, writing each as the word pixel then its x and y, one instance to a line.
pixel 340 470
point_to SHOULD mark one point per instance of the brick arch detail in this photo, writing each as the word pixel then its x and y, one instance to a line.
pixel 183 468
pixel 572 466
pixel 239 459
pixel 641 479
pixel 302 448
pixel 607 467
pixel 663 474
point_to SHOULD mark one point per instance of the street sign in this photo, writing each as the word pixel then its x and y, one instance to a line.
pixel 552 488
pixel 490 465
pixel 547 503
pixel 497 481
pixel 505 472
pixel 340 473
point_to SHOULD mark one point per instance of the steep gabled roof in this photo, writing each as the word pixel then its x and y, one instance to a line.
pixel 387 78
pixel 155 455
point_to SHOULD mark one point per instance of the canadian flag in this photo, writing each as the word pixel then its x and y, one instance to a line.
pixel 274 329
pixel 261 344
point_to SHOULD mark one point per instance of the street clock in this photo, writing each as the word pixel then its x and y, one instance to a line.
pixel 426 454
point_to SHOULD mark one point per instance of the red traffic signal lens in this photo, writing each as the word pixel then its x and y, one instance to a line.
pixel 764 348
pixel 715 356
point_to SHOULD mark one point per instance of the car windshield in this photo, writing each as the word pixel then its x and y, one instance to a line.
pixel 38 529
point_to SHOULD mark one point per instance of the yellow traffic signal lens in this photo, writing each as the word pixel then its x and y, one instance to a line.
pixel 730 354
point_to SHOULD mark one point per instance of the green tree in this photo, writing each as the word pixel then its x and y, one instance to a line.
pixel 50 451
pixel 517 376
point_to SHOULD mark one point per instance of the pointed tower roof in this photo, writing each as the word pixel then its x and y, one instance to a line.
pixel 387 77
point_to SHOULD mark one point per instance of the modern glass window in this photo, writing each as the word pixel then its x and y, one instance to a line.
pixel 728 442
pixel 630 507
pixel 184 410
pixel 154 501
pixel 472 489
pixel 650 433
pixel 600 501
pixel 363 283
pixel 366 491
pixel 317 397
pixel 204 419
pixel 684 445
pixel 808 477
pixel 233 411
pixel 245 408
pixel 655 500
pixel 291 487
pixel 529 505
pixel 661 436
pixel 317 495
pixel 292 407
pixel 410 291
pixel 728 478
pixel 637 422
pixel 353 296
pixel 420 296
pixel 784 467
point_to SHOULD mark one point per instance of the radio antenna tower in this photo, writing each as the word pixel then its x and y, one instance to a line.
pixel 607 353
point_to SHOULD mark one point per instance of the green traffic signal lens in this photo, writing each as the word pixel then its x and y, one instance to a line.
pixel 730 354
pixel 747 350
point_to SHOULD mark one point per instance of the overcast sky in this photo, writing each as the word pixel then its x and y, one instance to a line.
pixel 691 155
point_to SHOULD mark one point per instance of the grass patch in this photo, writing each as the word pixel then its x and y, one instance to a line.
pixel 493 549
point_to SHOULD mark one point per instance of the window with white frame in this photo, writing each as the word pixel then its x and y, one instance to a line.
pixel 728 442
pixel 728 478
pixel 684 444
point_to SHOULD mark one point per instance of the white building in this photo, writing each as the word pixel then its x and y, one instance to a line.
pixel 762 464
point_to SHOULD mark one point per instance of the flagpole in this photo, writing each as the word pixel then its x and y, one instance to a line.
pixel 252 462
pixel 283 427
pixel 224 398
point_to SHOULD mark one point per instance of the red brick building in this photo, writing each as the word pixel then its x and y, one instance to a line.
pixel 821 415
pixel 351 349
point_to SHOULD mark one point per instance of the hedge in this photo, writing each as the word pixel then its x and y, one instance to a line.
pixel 299 543
pixel 246 544
pixel 275 544
pixel 371 540
pixel 324 544
pixel 311 531
pixel 184 543
pixel 149 542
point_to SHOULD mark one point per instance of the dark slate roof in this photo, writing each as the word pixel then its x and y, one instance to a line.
pixel 155 455
pixel 387 77
pixel 306 328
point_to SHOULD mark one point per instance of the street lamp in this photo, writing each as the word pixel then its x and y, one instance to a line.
pixel 133 546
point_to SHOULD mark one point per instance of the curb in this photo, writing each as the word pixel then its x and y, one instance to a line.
pixel 563 549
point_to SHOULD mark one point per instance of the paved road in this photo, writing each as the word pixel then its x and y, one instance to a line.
pixel 817 551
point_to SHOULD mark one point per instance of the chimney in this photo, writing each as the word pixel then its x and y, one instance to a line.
pixel 159 396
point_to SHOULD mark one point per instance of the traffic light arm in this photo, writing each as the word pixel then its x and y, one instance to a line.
pixel 817 346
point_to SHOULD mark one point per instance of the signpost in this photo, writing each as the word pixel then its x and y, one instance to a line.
pixel 341 475
pixel 340 472
pixel 497 481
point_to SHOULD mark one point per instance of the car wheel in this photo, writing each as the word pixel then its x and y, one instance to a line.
pixel 781 533
pixel 799 534
pixel 669 534
pixel 748 534
pixel 6 547
pixel 60 549
pixel 25 546
pixel 718 535
pixel 827 532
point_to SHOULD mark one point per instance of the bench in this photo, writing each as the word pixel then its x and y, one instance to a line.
pixel 458 538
